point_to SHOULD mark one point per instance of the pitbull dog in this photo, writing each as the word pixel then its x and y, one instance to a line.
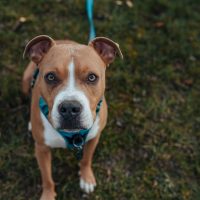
pixel 71 85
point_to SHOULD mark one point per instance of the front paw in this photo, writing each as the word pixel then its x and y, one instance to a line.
pixel 87 179
pixel 48 195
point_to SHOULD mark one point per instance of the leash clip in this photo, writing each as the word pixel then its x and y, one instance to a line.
pixel 78 143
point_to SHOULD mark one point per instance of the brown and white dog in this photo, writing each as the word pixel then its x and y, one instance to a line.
pixel 72 81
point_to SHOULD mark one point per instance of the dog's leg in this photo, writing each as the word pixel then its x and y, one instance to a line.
pixel 43 156
pixel 87 178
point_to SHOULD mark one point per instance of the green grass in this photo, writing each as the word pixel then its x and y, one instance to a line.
pixel 150 149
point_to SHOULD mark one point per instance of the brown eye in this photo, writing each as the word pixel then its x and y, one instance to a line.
pixel 92 78
pixel 51 78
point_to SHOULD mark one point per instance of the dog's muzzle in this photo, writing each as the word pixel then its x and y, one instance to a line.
pixel 70 112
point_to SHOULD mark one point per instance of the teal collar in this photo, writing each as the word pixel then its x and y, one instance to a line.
pixel 74 140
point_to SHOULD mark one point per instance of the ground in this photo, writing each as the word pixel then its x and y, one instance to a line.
pixel 150 149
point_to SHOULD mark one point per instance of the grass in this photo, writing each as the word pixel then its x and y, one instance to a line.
pixel 150 149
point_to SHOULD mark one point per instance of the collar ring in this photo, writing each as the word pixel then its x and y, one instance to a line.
pixel 78 141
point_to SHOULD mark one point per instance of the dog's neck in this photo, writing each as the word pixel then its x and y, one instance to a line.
pixel 74 140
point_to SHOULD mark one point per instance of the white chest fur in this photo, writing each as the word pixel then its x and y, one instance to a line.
pixel 53 139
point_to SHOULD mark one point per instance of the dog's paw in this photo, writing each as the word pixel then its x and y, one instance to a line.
pixel 87 187
pixel 87 180
pixel 48 195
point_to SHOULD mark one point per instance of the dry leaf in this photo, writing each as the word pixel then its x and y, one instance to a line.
pixel 119 3
pixel 159 24
pixel 129 4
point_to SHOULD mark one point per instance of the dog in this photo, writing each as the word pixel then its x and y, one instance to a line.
pixel 68 107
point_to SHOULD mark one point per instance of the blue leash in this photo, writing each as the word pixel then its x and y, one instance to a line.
pixel 89 9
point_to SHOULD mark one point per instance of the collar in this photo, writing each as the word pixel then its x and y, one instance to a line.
pixel 74 140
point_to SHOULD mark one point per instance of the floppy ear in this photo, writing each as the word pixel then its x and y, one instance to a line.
pixel 38 47
pixel 106 48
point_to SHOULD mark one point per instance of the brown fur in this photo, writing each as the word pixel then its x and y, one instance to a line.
pixel 56 58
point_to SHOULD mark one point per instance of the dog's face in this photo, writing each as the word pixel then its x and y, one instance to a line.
pixel 71 78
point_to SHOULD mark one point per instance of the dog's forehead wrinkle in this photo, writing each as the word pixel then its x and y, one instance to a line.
pixel 72 49
pixel 82 55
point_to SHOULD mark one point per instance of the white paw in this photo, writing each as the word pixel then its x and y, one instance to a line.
pixel 86 187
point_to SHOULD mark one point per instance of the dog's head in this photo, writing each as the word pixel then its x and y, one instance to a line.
pixel 71 78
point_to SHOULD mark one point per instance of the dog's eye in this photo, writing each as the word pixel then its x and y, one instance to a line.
pixel 51 78
pixel 92 78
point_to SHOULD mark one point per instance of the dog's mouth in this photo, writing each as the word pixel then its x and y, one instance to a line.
pixel 71 125
pixel 72 130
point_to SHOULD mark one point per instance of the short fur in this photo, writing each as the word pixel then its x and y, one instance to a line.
pixel 58 56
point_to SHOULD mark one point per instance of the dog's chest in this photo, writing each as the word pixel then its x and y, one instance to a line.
pixel 53 139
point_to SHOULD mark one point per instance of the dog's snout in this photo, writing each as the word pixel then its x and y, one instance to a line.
pixel 69 109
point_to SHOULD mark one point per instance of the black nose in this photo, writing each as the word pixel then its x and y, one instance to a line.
pixel 70 109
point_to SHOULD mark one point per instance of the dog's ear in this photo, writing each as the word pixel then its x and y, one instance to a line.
pixel 38 47
pixel 106 48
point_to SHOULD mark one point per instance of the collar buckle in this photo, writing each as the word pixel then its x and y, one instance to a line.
pixel 78 141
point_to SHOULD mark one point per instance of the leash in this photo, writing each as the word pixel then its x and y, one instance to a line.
pixel 89 10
